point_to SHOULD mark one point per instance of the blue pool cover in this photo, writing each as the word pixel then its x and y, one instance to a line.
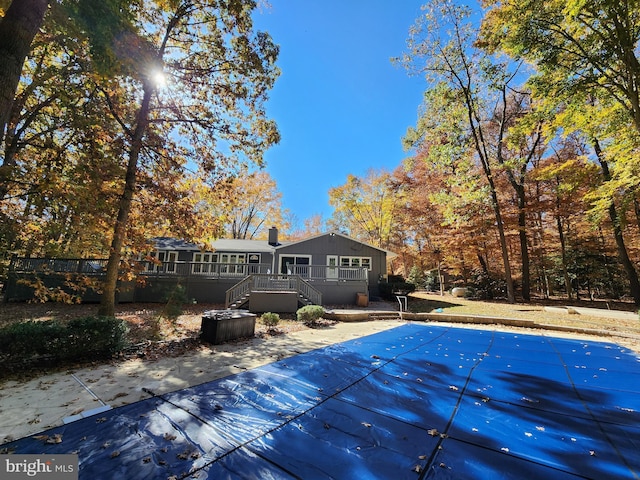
pixel 414 402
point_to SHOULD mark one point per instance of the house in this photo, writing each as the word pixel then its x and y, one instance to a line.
pixel 259 275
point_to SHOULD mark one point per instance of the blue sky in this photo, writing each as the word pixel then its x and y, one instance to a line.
pixel 340 105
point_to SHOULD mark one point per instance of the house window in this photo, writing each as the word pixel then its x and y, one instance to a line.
pixel 232 263
pixel 356 262
pixel 166 261
pixel 203 262
pixel 295 265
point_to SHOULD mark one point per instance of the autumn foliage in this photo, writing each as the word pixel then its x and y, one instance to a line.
pixel 522 172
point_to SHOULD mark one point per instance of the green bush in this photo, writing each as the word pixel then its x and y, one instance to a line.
pixel 483 286
pixel 85 338
pixel 97 337
pixel 31 338
pixel 270 320
pixel 416 277
pixel 310 314
pixel 174 301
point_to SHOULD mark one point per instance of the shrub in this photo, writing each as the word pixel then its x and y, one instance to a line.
pixel 85 338
pixel 416 277
pixel 310 314
pixel 175 300
pixel 483 286
pixel 97 337
pixel 432 282
pixel 270 320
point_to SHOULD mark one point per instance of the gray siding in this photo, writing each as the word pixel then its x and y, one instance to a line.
pixel 211 287
pixel 323 246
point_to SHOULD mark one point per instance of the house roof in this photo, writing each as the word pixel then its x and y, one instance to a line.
pixel 222 244
pixel 389 253
pixel 169 243
pixel 239 245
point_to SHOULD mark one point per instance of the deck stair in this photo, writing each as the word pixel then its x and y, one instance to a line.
pixel 239 295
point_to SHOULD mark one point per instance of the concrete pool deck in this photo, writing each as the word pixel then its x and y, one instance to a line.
pixel 28 407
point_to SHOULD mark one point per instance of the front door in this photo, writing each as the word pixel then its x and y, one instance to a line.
pixel 332 267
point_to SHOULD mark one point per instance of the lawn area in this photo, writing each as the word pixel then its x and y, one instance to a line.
pixel 542 311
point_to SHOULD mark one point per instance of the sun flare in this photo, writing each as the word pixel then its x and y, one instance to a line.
pixel 159 79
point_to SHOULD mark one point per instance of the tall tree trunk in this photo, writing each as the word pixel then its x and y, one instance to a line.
pixel 483 263
pixel 623 255
pixel 511 296
pixel 524 244
pixel 18 28
pixel 563 256
pixel 480 145
pixel 109 289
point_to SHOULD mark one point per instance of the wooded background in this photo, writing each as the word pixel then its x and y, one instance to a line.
pixel 123 121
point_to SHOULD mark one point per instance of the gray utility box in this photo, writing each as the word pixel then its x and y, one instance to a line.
pixel 219 326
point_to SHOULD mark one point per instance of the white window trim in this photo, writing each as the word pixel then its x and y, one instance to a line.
pixel 166 265
pixel 352 258
pixel 233 263
pixel 202 262
pixel 296 255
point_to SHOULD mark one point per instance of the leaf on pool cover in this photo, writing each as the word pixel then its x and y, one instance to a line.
pixel 57 438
